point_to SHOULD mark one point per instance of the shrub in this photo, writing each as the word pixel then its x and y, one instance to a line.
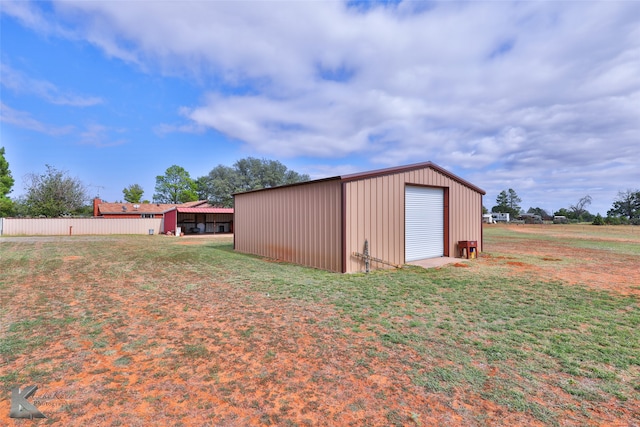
pixel 598 220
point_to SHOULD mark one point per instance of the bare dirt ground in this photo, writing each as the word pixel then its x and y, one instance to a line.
pixel 225 357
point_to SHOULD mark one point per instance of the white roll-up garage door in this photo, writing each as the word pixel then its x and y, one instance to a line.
pixel 424 223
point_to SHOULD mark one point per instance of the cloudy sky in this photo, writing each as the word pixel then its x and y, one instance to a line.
pixel 542 97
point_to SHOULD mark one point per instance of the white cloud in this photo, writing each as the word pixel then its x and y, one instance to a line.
pixel 20 83
pixel 165 128
pixel 31 16
pixel 24 120
pixel 99 135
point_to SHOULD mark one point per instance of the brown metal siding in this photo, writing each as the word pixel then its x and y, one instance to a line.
pixel 298 224
pixel 78 226
pixel 375 211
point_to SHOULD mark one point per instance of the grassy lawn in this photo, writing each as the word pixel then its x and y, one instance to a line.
pixel 128 327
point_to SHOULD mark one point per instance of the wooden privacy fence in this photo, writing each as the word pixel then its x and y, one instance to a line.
pixel 77 226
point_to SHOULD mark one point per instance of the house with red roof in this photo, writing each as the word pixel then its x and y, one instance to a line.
pixel 197 217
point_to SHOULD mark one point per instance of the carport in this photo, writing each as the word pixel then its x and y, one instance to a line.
pixel 200 220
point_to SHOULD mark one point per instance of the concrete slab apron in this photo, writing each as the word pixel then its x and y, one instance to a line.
pixel 436 262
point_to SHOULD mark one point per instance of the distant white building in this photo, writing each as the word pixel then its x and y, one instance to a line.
pixel 487 219
pixel 500 217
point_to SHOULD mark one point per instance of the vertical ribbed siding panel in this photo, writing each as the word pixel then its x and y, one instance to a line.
pixel 373 207
pixel 397 223
pixel 374 225
pixel 353 218
pixel 304 239
pixel 467 207
pixel 299 224
pixel 352 215
pixel 361 220
pixel 80 226
pixel 385 217
pixel 364 201
pixel 351 226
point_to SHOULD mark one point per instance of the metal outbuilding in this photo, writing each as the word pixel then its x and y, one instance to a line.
pixel 405 213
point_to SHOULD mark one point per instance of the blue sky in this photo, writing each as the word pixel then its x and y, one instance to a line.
pixel 541 97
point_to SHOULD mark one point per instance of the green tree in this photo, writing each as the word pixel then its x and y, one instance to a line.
pixel 626 205
pixel 246 174
pixel 580 209
pixel 501 202
pixel 133 193
pixel 7 207
pixel 615 220
pixel 514 201
pixel 508 202
pixel 262 173
pixel 175 186
pixel 6 183
pixel 219 186
pixel 54 193
pixel 598 220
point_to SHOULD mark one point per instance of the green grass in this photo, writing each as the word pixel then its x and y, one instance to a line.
pixel 623 240
pixel 193 351
pixel 462 324
pixel 524 328
pixel 627 248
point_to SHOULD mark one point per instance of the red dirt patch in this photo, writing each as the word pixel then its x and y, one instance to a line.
pixel 461 265
pixel 518 264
